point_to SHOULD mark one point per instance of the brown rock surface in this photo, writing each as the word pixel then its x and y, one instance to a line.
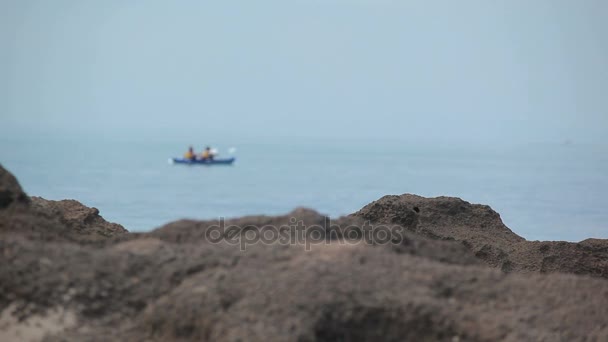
pixel 147 289
pixel 11 194
pixel 40 219
pixel 79 218
pixel 174 284
pixel 480 229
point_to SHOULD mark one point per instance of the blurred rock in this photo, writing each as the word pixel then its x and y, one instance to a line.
pixel 480 229
pixel 81 278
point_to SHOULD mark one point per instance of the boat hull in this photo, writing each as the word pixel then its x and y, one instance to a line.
pixel 226 161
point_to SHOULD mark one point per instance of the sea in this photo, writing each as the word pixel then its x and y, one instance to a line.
pixel 543 191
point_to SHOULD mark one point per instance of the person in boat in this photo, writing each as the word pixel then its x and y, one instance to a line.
pixel 190 155
pixel 207 154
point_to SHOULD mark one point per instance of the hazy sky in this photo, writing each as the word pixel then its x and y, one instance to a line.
pixel 483 70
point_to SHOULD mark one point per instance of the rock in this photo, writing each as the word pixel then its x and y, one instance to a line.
pixel 77 217
pixel 11 193
pixel 40 219
pixel 442 218
pixel 324 282
pixel 480 229
pixel 206 291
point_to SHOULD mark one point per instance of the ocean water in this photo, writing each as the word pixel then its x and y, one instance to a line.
pixel 544 192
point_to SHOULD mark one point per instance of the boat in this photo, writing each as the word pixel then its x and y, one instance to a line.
pixel 215 161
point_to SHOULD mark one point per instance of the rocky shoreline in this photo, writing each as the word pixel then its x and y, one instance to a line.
pixel 456 273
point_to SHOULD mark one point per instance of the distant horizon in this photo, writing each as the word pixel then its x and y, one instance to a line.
pixel 156 137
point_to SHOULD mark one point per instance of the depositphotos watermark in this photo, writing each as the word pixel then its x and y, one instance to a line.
pixel 298 233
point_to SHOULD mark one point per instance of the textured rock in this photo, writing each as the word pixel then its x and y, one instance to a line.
pixel 175 284
pixel 11 193
pixel 201 291
pixel 480 229
pixel 79 218
pixel 40 219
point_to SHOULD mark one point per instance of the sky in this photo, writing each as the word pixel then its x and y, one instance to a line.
pixel 423 70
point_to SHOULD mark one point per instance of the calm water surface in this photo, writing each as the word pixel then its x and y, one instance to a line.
pixel 546 192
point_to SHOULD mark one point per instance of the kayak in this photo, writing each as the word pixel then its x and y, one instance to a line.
pixel 216 161
pixel 226 161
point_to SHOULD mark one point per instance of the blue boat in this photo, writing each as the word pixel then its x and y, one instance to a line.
pixel 215 161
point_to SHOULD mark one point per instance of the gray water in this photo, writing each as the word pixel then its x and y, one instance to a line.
pixel 543 191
